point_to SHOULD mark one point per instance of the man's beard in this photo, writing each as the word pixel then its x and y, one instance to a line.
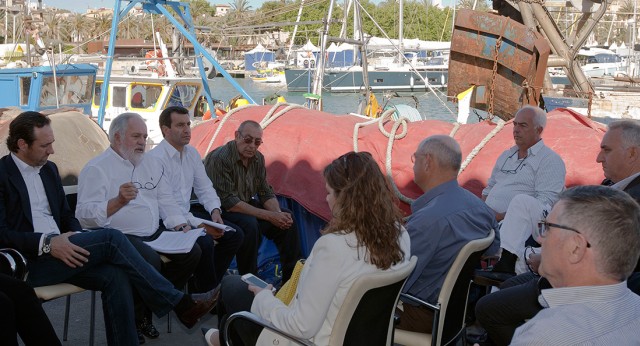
pixel 131 155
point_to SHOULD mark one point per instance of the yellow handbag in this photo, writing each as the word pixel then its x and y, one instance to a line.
pixel 288 290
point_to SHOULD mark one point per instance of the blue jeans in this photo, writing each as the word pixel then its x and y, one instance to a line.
pixel 113 267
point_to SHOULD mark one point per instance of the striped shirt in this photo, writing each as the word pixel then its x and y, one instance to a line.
pixel 540 174
pixel 588 315
pixel 232 180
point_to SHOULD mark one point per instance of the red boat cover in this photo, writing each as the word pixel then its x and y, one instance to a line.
pixel 300 143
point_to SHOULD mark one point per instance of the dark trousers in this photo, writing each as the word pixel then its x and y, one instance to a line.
pixel 286 240
pixel 21 313
pixel 501 313
pixel 236 297
pixel 114 267
pixel 177 271
pixel 214 261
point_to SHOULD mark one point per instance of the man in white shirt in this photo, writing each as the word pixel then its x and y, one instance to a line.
pixel 591 244
pixel 184 170
pixel 524 184
pixel 126 190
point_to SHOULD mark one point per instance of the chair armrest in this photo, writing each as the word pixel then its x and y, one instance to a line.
pixel 16 264
pixel 259 321
pixel 420 301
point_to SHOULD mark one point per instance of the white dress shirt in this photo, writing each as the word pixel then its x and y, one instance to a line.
pixel 185 172
pixel 43 221
pixel 334 264
pixel 541 174
pixel 587 315
pixel 100 181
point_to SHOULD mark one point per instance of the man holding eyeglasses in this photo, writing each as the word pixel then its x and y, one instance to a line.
pixel 238 172
pixel 590 244
pixel 523 186
pixel 126 190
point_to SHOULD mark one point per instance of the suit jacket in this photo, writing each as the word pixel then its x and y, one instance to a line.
pixel 633 189
pixel 16 222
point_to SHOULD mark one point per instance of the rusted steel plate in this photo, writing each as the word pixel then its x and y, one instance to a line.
pixel 521 61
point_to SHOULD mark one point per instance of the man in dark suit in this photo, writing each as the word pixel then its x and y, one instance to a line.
pixel 501 313
pixel 36 219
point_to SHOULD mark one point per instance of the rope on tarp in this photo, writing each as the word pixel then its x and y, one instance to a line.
pixel 481 145
pixel 392 136
pixel 268 118
pixel 224 120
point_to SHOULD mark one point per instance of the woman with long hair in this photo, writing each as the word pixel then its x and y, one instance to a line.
pixel 364 236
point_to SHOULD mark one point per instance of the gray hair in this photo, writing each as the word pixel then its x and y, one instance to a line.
pixel 610 220
pixel 630 132
pixel 539 115
pixel 120 125
pixel 444 149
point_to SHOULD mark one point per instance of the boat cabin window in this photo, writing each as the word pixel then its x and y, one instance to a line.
pixel 96 95
pixel 183 95
pixel 119 96
pixel 70 90
pixel 144 96
pixel 25 86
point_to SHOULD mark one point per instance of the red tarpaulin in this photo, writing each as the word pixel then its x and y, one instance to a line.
pixel 301 142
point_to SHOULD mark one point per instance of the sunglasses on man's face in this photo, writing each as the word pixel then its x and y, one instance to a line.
pixel 248 139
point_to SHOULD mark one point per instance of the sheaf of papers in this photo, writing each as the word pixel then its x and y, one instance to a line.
pixel 176 242
pixel 196 221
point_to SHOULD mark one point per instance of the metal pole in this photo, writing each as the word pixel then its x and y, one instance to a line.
pixel 206 54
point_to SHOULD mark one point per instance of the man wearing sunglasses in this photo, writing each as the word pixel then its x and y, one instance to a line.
pixel 126 190
pixel 523 186
pixel 590 245
pixel 239 175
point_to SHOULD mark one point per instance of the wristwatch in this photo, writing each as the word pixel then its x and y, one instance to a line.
pixel 46 246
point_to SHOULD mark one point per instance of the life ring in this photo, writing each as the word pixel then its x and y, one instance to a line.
pixel 154 64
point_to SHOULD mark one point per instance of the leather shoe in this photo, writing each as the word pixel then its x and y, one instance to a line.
pixel 148 329
pixel 201 303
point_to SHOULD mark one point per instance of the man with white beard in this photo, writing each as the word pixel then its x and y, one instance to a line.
pixel 124 189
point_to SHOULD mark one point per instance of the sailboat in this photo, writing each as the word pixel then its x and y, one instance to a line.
pixel 393 64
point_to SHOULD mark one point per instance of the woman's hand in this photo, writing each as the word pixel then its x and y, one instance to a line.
pixel 256 289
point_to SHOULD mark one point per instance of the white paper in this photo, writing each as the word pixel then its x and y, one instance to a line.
pixel 176 242
pixel 197 221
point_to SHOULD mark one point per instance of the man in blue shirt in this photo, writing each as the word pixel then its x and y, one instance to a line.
pixel 444 219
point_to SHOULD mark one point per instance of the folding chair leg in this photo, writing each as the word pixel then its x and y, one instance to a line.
pixel 92 323
pixel 169 322
pixel 66 318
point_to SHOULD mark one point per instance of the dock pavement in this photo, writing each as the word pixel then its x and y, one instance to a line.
pixel 79 321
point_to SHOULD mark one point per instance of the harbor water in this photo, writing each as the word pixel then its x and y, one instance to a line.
pixel 430 105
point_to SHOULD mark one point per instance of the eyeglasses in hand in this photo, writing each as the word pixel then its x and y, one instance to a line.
pixel 512 171
pixel 150 185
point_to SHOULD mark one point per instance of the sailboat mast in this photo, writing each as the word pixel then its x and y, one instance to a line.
pixel 401 32
pixel 295 30
pixel 317 79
